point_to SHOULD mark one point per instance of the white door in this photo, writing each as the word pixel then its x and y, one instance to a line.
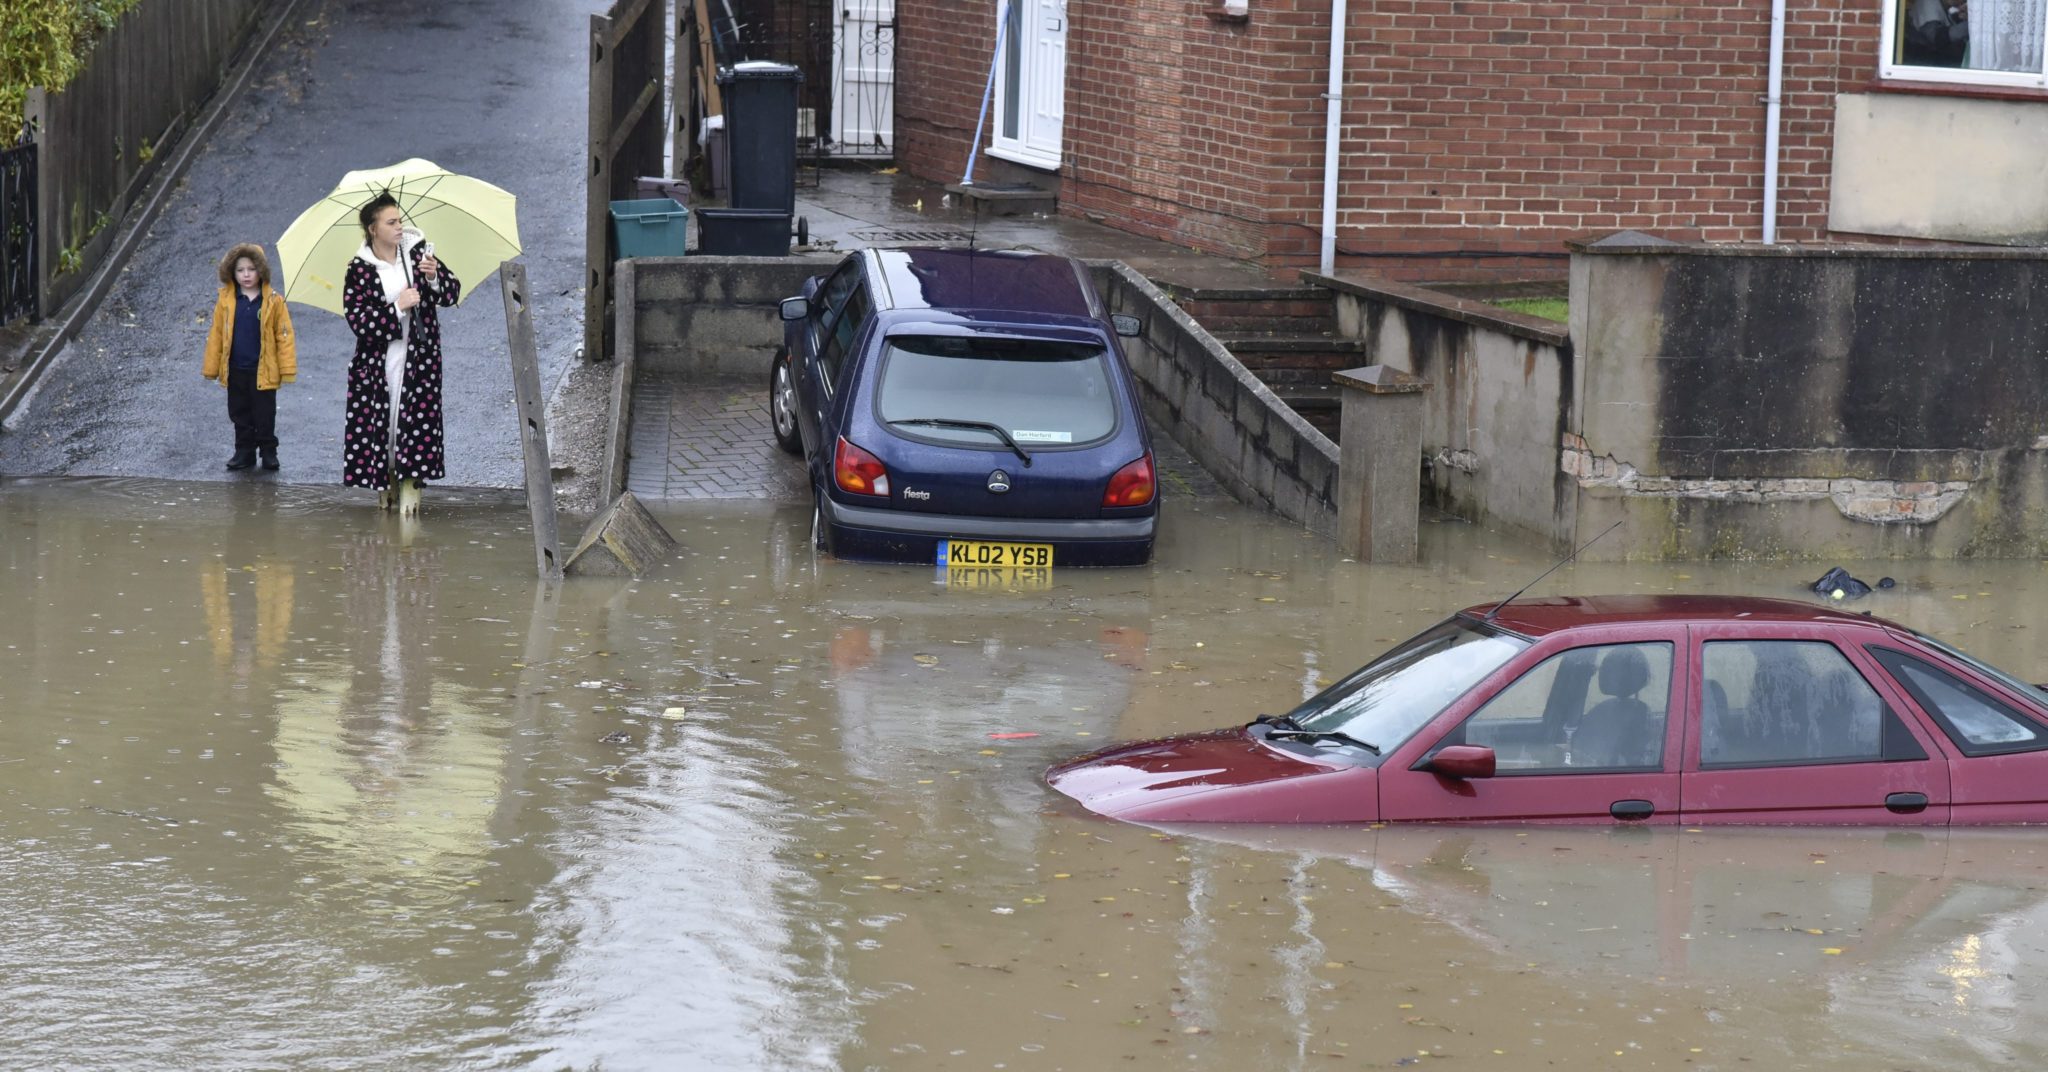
pixel 1031 84
pixel 864 79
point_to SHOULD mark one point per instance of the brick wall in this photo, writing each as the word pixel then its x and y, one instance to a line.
pixel 942 55
pixel 1488 127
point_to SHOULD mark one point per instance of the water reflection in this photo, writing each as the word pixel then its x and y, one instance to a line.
pixel 1913 941
pixel 389 772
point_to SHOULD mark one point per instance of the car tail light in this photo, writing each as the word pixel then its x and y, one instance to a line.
pixel 1132 485
pixel 857 471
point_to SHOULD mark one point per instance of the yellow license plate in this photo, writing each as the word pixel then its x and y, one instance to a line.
pixel 953 553
pixel 997 578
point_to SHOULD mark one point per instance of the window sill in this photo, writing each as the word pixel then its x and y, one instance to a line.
pixel 1954 89
pixel 1227 17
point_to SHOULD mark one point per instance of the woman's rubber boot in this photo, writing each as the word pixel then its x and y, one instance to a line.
pixel 243 459
pixel 269 457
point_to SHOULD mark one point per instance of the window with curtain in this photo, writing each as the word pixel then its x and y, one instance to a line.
pixel 1982 42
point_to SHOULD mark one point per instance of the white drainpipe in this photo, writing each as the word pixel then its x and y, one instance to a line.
pixel 1772 102
pixel 1335 97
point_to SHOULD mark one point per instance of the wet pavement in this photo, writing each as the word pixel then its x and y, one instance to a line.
pixel 706 441
pixel 350 85
pixel 285 782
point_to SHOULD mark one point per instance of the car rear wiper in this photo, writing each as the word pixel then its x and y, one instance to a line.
pixel 983 426
pixel 1322 735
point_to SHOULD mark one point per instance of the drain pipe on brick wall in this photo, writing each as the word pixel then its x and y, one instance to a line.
pixel 1335 99
pixel 1773 100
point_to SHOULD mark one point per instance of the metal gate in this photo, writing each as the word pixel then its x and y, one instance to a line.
pixel 847 51
pixel 18 283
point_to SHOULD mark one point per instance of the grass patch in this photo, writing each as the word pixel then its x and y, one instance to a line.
pixel 1557 309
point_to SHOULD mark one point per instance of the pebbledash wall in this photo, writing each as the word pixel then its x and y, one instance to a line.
pixel 1488 131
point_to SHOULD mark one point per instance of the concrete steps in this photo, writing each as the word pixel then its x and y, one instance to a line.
pixel 1286 336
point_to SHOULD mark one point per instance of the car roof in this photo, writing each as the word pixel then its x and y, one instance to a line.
pixel 987 280
pixel 1550 614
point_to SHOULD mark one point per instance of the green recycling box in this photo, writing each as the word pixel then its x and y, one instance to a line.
pixel 656 227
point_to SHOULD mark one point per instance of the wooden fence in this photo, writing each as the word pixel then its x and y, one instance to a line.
pixel 628 132
pixel 98 138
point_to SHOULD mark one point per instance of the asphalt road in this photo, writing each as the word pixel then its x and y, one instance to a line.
pixel 484 87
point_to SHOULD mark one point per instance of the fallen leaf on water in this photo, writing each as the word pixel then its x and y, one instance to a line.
pixel 1832 951
pixel 988 752
pixel 923 659
pixel 1010 736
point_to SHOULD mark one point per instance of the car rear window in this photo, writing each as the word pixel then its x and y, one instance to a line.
pixel 1043 393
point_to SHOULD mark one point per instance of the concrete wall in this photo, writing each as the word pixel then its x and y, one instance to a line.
pixel 1960 168
pixel 711 318
pixel 1753 401
pixel 1235 426
pixel 1500 389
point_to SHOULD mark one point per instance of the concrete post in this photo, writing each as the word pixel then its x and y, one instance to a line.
pixel 1379 464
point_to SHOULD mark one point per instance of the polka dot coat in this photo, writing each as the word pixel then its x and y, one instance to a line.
pixel 420 448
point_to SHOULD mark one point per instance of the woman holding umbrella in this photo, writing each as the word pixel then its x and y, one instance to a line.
pixel 393 286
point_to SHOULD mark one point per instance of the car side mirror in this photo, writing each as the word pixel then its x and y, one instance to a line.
pixel 1462 761
pixel 1126 325
pixel 796 308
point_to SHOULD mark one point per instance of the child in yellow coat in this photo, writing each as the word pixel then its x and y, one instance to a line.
pixel 251 351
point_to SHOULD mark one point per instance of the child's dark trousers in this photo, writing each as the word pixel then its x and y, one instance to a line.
pixel 254 412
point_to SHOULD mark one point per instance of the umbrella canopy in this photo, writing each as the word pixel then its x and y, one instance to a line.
pixel 474 227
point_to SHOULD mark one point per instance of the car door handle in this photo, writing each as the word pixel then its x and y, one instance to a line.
pixel 1632 810
pixel 1906 803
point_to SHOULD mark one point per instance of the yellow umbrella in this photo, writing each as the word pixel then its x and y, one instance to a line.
pixel 474 227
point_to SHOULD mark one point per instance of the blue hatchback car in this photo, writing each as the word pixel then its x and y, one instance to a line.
pixel 968 408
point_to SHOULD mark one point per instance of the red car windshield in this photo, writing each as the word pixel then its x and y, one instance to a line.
pixel 1398 693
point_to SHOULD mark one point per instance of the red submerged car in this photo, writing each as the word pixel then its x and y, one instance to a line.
pixel 1657 709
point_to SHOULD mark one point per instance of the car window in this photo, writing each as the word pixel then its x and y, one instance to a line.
pixel 1596 708
pixel 839 338
pixel 1042 393
pixel 833 294
pixel 2025 689
pixel 1792 702
pixel 1387 700
pixel 1977 722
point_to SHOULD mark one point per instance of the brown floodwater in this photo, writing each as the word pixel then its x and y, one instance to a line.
pixel 287 784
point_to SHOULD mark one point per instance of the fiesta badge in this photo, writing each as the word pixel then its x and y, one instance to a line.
pixel 998 482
